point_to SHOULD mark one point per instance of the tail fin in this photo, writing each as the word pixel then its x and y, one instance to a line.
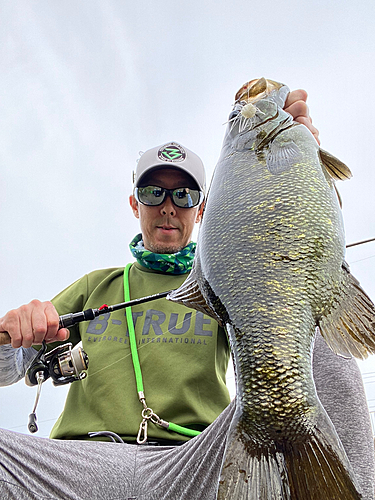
pixel 253 476
pixel 313 469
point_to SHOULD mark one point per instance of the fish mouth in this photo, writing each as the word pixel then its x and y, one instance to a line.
pixel 257 89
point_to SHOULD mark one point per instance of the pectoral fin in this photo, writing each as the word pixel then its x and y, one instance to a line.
pixel 349 328
pixel 282 156
pixel 336 168
pixel 190 295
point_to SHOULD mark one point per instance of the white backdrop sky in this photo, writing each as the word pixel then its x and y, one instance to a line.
pixel 86 85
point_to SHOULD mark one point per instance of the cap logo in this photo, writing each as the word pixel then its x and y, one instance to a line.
pixel 171 152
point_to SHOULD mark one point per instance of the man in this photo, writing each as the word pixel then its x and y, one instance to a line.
pixel 183 358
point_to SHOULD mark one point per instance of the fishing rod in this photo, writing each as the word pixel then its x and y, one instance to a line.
pixel 66 364
pixel 68 320
pixel 359 243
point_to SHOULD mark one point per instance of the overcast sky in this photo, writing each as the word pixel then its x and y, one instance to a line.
pixel 86 85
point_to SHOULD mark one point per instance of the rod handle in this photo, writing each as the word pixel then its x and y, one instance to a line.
pixel 4 338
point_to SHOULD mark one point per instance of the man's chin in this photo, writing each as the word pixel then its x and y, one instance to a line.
pixel 164 247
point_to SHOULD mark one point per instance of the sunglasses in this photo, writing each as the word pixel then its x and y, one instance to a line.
pixel 182 197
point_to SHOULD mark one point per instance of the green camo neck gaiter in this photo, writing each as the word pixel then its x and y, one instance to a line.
pixel 174 263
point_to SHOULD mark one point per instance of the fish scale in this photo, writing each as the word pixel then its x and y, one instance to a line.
pixel 270 267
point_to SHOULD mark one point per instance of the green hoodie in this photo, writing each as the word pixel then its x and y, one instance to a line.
pixel 183 355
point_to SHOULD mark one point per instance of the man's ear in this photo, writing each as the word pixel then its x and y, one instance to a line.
pixel 134 205
pixel 200 212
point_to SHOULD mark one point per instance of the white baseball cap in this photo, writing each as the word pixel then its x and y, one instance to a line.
pixel 174 155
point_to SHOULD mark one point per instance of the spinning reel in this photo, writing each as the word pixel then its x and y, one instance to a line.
pixel 63 364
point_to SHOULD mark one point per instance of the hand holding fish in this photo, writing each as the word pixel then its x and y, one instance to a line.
pixel 295 105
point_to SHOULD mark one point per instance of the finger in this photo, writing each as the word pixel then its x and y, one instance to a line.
pixel 38 323
pixel 308 123
pixel 26 328
pixel 295 95
pixel 62 335
pixel 52 318
pixel 10 323
pixel 298 108
pixel 300 112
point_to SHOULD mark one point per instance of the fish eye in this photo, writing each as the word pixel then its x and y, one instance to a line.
pixel 233 114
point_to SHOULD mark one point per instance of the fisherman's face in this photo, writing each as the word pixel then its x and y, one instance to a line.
pixel 166 228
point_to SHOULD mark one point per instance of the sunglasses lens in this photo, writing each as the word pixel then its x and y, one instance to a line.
pixel 185 197
pixel 150 195
pixel 182 197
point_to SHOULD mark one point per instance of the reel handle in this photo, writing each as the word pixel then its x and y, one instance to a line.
pixel 32 425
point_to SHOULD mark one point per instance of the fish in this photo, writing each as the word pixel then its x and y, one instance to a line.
pixel 270 267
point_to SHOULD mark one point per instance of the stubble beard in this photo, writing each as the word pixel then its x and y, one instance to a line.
pixel 164 249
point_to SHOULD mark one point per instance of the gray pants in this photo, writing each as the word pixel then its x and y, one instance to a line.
pixel 34 468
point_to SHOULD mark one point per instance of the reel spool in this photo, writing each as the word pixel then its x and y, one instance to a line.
pixel 67 365
pixel 64 365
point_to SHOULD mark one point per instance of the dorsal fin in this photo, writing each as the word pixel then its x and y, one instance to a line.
pixel 257 87
pixel 336 168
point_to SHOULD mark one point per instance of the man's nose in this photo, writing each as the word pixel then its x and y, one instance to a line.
pixel 168 207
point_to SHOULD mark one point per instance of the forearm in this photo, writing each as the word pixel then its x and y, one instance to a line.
pixel 13 363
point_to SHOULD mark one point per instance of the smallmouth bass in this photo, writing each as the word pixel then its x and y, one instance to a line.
pixel 270 267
